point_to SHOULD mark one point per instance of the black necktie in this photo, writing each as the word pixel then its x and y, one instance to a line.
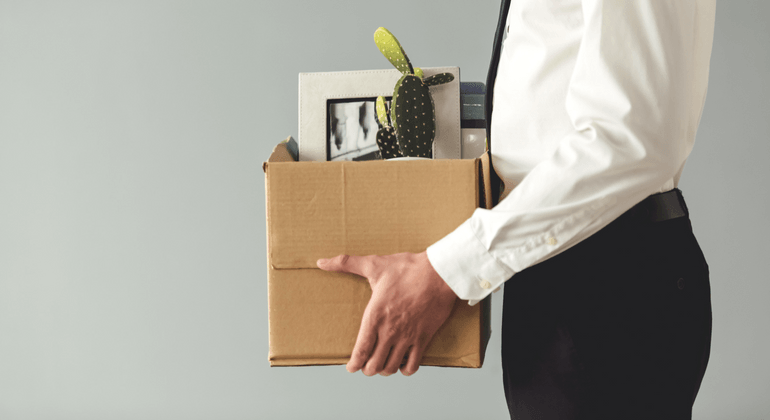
pixel 491 76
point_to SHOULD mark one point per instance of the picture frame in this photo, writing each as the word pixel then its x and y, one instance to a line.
pixel 329 98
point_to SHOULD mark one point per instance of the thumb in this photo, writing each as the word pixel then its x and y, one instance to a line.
pixel 343 263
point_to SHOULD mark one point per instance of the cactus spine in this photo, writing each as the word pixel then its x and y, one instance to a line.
pixel 412 111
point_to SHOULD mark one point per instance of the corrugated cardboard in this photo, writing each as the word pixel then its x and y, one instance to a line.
pixel 323 209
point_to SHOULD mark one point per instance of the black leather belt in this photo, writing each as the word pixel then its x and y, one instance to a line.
pixel 657 208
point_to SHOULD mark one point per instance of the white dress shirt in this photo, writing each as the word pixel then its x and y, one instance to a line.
pixel 596 107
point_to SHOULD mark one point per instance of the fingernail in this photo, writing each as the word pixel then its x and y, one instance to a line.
pixel 321 261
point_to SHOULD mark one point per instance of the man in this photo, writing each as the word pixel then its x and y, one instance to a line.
pixel 594 109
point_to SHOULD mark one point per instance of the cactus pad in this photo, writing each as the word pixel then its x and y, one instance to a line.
pixel 413 117
pixel 382 112
pixel 386 135
pixel 386 142
pixel 391 49
pixel 439 79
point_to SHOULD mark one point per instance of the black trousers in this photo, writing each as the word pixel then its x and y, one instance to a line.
pixel 616 327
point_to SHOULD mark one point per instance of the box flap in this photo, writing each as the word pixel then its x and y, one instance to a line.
pixel 322 209
pixel 285 151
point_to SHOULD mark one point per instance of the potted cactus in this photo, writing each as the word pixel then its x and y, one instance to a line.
pixel 409 128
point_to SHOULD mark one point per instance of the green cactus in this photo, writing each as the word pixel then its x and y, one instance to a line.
pixel 412 111
pixel 386 135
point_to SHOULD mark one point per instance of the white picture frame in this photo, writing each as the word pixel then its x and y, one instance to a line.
pixel 318 90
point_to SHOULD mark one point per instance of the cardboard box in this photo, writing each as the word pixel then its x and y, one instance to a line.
pixel 323 209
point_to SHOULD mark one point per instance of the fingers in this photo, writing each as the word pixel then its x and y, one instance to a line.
pixel 415 357
pixel 376 363
pixel 395 358
pixel 386 360
pixel 361 352
pixel 365 342
pixel 375 353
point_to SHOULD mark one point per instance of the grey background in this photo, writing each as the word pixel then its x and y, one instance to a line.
pixel 132 230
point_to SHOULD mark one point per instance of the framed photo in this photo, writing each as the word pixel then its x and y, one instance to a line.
pixel 351 129
pixel 337 119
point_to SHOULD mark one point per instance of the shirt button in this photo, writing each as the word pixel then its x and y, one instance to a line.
pixel 552 241
pixel 485 284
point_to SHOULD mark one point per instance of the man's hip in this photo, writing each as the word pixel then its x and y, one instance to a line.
pixel 618 326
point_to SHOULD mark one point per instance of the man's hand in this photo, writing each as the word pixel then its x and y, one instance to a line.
pixel 409 303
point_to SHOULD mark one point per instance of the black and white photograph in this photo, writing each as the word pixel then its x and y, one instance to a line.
pixel 352 129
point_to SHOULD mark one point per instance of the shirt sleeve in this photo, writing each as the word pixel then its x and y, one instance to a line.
pixel 629 102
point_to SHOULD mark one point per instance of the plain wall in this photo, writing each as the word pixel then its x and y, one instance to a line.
pixel 132 213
